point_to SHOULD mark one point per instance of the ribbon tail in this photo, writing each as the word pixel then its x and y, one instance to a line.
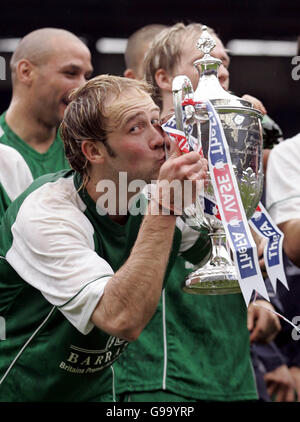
pixel 265 227
pixel 276 272
pixel 254 283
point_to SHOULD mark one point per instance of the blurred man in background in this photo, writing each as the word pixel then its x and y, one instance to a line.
pixel 137 46
pixel 47 64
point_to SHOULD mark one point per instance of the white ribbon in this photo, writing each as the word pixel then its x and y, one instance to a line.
pixel 262 223
pixel 231 210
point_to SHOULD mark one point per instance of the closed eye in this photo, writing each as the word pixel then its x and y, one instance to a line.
pixel 136 128
pixel 70 73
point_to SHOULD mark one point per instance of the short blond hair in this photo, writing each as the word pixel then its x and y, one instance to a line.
pixel 165 52
pixel 87 115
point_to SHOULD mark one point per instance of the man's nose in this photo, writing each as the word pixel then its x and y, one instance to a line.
pixel 159 137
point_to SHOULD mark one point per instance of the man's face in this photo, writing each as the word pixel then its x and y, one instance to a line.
pixel 190 54
pixel 67 68
pixel 136 140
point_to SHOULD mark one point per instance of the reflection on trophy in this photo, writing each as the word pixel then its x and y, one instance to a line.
pixel 241 125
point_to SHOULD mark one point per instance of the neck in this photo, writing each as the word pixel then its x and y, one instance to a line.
pixel 22 121
pixel 167 104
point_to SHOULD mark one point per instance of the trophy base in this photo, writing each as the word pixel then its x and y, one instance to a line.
pixel 212 280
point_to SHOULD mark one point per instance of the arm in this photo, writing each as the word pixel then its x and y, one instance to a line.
pixel 295 372
pixel 131 295
pixel 54 249
pixel 282 193
pixel 278 379
pixel 280 384
pixel 255 102
pixel 291 241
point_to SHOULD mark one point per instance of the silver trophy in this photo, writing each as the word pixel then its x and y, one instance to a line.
pixel 242 127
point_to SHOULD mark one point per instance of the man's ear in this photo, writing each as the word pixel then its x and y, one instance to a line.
pixel 25 71
pixel 163 80
pixel 129 73
pixel 93 151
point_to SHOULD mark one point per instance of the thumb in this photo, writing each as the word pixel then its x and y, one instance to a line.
pixel 175 150
pixel 250 317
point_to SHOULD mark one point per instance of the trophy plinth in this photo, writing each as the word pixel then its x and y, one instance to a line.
pixel 241 124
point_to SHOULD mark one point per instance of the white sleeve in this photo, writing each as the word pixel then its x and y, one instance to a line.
pixel 53 250
pixel 15 175
pixel 283 181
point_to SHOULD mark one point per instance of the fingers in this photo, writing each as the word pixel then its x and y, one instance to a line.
pixel 262 323
pixel 280 385
pixel 190 166
pixel 179 180
pixel 264 331
pixel 256 103
pixel 250 318
pixel 174 151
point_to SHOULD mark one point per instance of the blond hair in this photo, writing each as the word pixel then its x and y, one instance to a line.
pixel 165 52
pixel 88 114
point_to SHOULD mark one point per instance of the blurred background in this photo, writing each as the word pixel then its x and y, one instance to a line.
pixel 261 36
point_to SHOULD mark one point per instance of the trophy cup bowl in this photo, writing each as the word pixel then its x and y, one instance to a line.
pixel 242 127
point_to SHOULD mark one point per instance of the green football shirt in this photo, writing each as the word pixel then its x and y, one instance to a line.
pixel 39 163
pixel 194 346
pixel 57 254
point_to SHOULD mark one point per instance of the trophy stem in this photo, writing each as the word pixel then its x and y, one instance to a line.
pixel 218 276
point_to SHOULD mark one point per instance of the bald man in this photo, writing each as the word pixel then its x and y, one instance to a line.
pixel 47 64
pixel 137 46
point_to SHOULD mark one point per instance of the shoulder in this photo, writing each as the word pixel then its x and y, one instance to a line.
pixel 53 193
pixel 10 155
pixel 15 175
pixel 288 149
pixel 49 214
pixel 3 126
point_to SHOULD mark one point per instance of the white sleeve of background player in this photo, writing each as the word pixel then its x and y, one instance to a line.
pixel 53 250
pixel 15 175
pixel 283 181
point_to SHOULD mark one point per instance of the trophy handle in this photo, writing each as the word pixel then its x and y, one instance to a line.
pixel 182 88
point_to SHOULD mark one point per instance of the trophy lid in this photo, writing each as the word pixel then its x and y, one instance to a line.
pixel 209 86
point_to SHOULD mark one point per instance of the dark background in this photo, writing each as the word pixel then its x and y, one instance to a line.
pixel 267 78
